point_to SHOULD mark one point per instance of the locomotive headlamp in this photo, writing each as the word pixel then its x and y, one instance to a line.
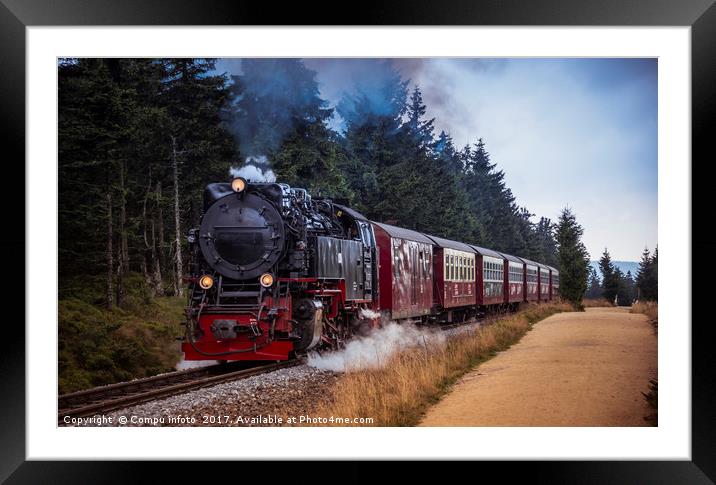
pixel 206 281
pixel 266 280
pixel 238 184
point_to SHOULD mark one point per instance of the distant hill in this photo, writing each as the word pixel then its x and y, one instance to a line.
pixel 625 266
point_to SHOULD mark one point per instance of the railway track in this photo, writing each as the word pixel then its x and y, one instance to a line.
pixel 117 396
pixel 124 394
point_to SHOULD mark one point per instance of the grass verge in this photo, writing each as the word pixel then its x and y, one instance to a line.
pixel 413 379
pixel 648 308
pixel 596 302
pixel 652 398
pixel 651 310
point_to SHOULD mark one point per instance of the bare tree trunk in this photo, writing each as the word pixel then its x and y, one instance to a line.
pixel 120 279
pixel 160 221
pixel 123 222
pixel 144 210
pixel 177 223
pixel 146 250
pixel 157 273
pixel 110 261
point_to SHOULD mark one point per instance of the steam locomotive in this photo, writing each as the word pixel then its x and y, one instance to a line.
pixel 275 272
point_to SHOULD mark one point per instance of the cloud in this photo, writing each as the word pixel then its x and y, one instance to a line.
pixel 578 133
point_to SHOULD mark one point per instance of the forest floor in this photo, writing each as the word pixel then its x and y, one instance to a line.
pixel 573 369
pixel 99 346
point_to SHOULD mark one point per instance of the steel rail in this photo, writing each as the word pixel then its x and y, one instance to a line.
pixel 117 396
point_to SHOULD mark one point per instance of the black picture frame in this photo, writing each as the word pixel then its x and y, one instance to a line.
pixel 16 15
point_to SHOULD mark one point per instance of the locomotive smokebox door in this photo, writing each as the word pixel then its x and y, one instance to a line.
pixel 242 238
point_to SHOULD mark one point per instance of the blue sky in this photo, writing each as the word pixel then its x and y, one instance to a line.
pixel 567 132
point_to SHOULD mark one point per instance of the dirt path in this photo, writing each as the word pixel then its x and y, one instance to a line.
pixel 572 369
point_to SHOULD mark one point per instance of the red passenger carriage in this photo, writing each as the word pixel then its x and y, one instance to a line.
pixel 405 272
pixel 531 280
pixel 454 274
pixel 553 283
pixel 514 279
pixel 490 276
pixel 544 284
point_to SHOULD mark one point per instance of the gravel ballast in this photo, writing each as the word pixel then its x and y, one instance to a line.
pixel 272 399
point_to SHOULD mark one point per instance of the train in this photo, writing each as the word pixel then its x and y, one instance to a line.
pixel 275 273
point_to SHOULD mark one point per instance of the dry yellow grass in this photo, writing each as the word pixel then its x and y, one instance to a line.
pixel 400 392
pixel 596 302
pixel 648 308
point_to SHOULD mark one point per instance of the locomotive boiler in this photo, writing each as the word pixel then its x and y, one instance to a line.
pixel 275 271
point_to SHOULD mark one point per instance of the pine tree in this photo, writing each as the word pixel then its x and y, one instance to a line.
pixel 647 276
pixel 610 280
pixel 544 240
pixel 594 286
pixel 573 258
pixel 420 130
pixel 626 293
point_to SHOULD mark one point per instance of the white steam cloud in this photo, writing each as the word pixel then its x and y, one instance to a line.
pixel 375 350
pixel 253 171
pixel 193 364
pixel 369 314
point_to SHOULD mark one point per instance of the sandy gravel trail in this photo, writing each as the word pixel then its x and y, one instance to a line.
pixel 573 369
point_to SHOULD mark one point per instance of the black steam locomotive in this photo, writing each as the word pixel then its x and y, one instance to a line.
pixel 274 270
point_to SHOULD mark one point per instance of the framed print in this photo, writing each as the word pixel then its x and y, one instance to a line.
pixel 381 231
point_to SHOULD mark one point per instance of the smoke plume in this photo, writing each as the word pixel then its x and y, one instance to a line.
pixel 255 169
pixel 375 350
